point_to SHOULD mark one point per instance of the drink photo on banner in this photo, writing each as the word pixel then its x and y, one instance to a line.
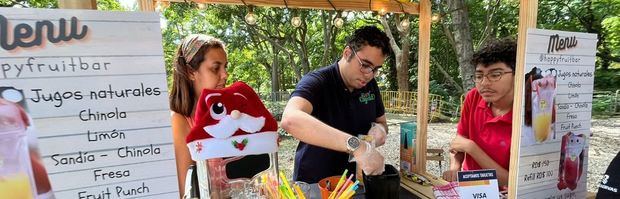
pixel 540 91
pixel 22 172
pixel 571 161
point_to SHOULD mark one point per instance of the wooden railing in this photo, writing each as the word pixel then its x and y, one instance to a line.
pixel 404 102
pixel 606 102
pixel 399 102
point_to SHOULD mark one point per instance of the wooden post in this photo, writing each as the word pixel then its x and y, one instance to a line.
pixel 78 4
pixel 146 5
pixel 528 11
pixel 424 46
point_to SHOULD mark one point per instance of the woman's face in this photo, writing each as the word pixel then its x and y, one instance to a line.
pixel 211 73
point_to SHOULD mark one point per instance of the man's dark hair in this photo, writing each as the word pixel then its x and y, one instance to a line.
pixel 496 51
pixel 371 36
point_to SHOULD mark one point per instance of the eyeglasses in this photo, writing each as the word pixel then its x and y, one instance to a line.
pixel 366 68
pixel 492 76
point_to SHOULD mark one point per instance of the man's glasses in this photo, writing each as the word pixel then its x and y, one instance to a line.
pixel 492 76
pixel 365 67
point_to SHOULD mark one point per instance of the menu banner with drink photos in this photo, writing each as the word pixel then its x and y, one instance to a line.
pixel 95 86
pixel 559 79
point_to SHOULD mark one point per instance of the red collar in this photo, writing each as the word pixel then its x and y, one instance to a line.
pixel 487 110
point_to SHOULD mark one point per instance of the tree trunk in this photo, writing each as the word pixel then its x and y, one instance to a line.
pixel 605 56
pixel 303 48
pixel 275 67
pixel 326 35
pixel 401 56
pixel 462 38
pixel 329 34
pixel 334 54
pixel 489 30
pixel 446 74
pixel 403 68
pixel 277 42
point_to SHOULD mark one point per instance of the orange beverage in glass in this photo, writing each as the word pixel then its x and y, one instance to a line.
pixel 15 186
pixel 542 126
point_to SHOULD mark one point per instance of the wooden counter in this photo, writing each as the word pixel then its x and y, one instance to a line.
pixel 418 190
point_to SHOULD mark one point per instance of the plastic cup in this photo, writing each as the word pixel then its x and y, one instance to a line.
pixel 333 181
pixel 386 185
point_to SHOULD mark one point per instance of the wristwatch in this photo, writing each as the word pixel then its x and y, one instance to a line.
pixel 353 143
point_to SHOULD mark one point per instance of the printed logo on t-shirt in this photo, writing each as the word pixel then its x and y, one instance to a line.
pixel 607 187
pixel 367 97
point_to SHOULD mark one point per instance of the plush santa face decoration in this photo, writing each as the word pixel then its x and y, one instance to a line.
pixel 231 122
pixel 571 161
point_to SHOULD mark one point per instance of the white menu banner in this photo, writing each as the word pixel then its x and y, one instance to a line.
pixel 95 88
pixel 559 79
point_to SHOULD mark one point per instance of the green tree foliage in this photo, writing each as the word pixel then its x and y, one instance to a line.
pixel 29 3
pixel 109 5
pixel 593 16
pixel 271 52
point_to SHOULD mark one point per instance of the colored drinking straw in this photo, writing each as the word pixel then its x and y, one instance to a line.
pixel 289 190
pixel 340 182
pixel 345 186
pixel 350 190
pixel 350 194
pixel 300 194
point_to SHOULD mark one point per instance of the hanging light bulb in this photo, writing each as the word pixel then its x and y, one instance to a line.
pixel 250 18
pixel 202 6
pixel 296 21
pixel 435 18
pixel 338 22
pixel 404 24
pixel 382 11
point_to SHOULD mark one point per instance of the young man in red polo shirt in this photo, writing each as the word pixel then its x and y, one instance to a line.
pixel 485 128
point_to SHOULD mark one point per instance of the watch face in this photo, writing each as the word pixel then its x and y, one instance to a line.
pixel 353 142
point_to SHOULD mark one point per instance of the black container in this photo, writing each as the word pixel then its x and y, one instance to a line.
pixel 386 185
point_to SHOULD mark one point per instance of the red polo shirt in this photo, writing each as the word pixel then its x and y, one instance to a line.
pixel 492 134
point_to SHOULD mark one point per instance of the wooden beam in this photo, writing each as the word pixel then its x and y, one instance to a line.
pixel 528 11
pixel 146 5
pixel 77 4
pixel 424 47
pixel 390 6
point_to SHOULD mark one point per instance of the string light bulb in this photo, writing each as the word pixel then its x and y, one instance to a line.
pixel 338 22
pixel 404 24
pixel 250 18
pixel 435 17
pixel 296 21
pixel 382 11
